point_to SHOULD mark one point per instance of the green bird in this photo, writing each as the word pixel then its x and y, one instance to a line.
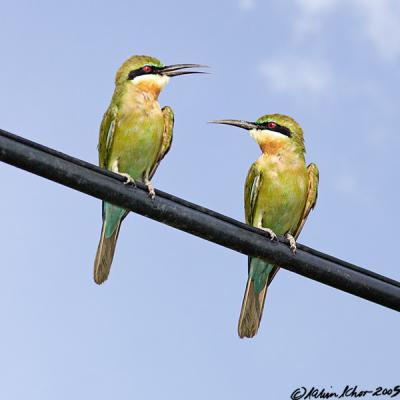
pixel 135 135
pixel 279 193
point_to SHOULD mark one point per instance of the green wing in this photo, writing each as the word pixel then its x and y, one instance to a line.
pixel 251 190
pixel 111 214
pixel 167 137
pixel 312 195
pixel 107 129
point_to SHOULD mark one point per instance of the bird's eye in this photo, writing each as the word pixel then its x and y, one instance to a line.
pixel 146 69
pixel 271 125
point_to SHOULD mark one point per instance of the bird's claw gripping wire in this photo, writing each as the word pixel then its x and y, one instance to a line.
pixel 129 179
pixel 271 233
pixel 292 242
pixel 150 188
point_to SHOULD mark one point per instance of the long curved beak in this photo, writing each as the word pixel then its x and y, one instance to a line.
pixel 176 69
pixel 235 122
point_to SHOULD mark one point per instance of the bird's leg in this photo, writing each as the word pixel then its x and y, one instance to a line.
pixel 150 187
pixel 129 179
pixel 292 242
pixel 270 232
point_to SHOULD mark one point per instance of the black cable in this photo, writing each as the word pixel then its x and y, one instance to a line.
pixel 197 220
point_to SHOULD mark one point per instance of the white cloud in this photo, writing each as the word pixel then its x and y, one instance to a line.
pixel 380 21
pixel 310 17
pixel 296 76
pixel 247 4
pixel 382 25
pixel 315 7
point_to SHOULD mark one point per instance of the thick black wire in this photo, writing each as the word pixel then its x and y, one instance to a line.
pixel 46 162
pixel 186 203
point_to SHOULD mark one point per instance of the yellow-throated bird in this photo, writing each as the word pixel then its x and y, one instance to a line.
pixel 135 135
pixel 280 192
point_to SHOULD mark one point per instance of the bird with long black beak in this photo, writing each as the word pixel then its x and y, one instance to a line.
pixel 135 135
pixel 279 193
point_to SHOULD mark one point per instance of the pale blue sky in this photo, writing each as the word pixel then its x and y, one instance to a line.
pixel 164 325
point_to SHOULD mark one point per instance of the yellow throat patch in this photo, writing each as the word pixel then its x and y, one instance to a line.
pixel 151 83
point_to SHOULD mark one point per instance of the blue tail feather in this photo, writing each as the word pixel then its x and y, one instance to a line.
pixel 259 271
pixel 112 216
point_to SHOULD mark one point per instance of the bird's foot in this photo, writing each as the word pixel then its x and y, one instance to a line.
pixel 270 232
pixel 150 188
pixel 292 242
pixel 128 178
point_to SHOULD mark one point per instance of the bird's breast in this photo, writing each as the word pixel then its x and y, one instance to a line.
pixel 138 136
pixel 282 193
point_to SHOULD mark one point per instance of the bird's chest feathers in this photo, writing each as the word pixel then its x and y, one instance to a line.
pixel 284 170
pixel 282 193
pixel 140 125
pixel 140 105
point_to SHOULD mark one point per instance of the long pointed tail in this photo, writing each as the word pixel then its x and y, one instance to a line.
pixel 254 298
pixel 104 255
pixel 112 218
pixel 252 309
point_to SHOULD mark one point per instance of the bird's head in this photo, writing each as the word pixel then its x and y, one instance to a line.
pixel 273 132
pixel 149 74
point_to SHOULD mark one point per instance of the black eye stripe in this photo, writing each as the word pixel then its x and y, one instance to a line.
pixel 138 72
pixel 278 128
pixel 285 131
